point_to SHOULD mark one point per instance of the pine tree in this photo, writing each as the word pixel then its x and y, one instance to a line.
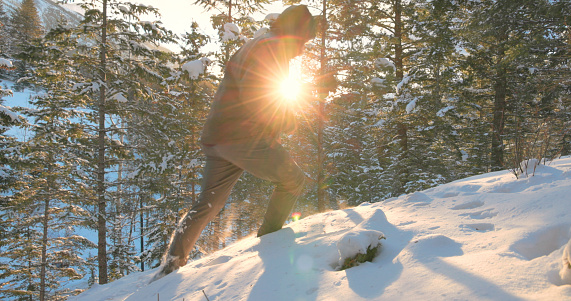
pixel 432 140
pixel 234 23
pixel 500 74
pixel 25 25
pixel 545 76
pixel 353 162
pixel 52 169
pixel 4 30
pixel 8 119
pixel 373 54
pixel 122 84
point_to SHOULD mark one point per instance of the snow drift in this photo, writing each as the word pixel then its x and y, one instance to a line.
pixel 488 237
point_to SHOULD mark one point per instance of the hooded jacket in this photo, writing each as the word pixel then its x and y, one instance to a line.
pixel 247 105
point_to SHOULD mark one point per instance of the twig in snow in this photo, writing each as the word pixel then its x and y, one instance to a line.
pixel 205 295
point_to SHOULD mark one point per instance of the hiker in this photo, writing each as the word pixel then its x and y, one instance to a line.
pixel 242 132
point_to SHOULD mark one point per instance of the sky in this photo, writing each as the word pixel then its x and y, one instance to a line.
pixel 487 237
pixel 179 15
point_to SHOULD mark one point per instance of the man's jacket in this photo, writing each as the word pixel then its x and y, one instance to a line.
pixel 248 105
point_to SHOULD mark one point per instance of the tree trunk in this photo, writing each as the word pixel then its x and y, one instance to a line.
pixel 44 259
pixel 229 20
pixel 498 123
pixel 401 127
pixel 142 226
pixel 101 217
pixel 321 117
pixel 398 41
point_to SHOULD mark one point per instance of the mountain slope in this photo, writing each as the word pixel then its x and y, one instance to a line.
pixel 50 12
pixel 488 237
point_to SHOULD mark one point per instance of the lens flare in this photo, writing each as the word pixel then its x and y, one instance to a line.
pixel 296 216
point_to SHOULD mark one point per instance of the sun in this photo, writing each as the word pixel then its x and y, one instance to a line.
pixel 290 89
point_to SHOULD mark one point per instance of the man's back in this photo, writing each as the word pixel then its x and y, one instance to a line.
pixel 247 106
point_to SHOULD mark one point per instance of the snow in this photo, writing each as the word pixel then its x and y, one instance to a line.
pixel 384 63
pixel 487 237
pixel 231 32
pixel 377 81
pixel 565 272
pixel 120 98
pixel 260 32
pixel 411 106
pixel 196 67
pixel 272 17
pixel 403 82
pixel 5 63
pixel 357 242
pixel 6 111
pixel 443 111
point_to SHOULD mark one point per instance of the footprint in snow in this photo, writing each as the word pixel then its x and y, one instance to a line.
pixel 418 198
pixel 468 189
pixel 480 227
pixel 484 214
pixel 432 246
pixel 218 260
pixel 543 241
pixel 468 205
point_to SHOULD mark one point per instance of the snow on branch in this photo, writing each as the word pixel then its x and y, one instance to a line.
pixel 231 32
pixel 5 64
pixel 196 67
pixel 384 63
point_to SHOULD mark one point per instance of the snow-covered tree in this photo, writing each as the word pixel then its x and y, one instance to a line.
pixel 53 167
pixel 26 25
pixel 234 23
pixel 4 30
pixel 8 119
pixel 430 89
pixel 503 74
pixel 168 152
pixel 352 152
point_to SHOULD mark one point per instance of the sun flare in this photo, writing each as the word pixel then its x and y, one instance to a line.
pixel 289 89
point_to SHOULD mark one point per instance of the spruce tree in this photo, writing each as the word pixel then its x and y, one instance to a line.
pixel 26 25
pixel 4 30
pixel 114 57
pixel 435 151
pixel 234 23
pixel 168 147
pixel 353 162
pixel 503 75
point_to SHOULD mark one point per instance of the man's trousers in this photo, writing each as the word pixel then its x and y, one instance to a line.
pixel 224 165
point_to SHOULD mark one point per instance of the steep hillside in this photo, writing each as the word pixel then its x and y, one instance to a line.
pixel 488 237
pixel 50 12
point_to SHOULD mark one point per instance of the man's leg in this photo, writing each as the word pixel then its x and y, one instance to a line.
pixel 219 178
pixel 269 161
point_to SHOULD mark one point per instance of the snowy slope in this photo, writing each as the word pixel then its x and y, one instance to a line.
pixel 50 12
pixel 489 237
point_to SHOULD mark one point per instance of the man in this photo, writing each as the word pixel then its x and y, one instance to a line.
pixel 242 132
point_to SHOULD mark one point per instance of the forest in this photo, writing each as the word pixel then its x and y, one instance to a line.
pixel 398 96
